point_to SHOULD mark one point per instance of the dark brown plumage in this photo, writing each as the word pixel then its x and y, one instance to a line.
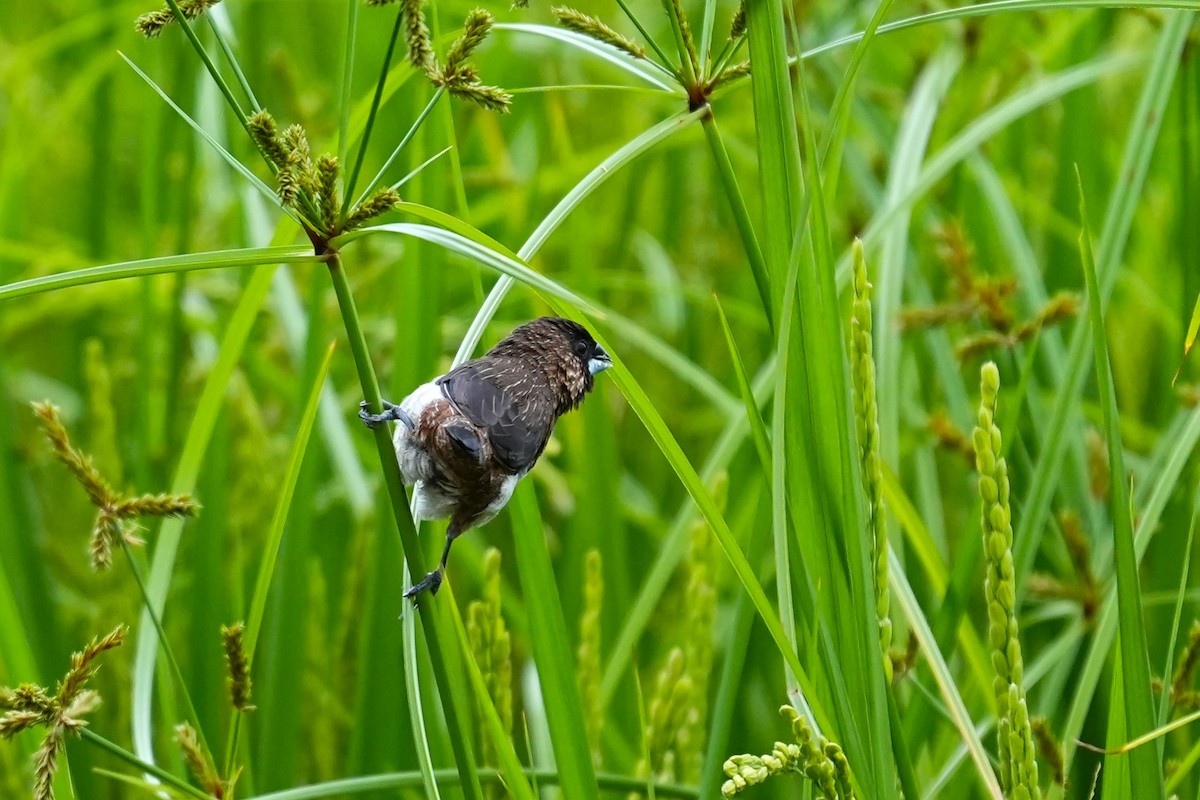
pixel 467 437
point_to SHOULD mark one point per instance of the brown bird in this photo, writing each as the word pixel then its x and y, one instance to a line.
pixel 466 437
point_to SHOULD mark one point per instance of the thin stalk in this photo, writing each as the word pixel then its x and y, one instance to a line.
pixel 430 612
pixel 706 32
pixel 176 672
pixel 448 777
pixel 347 80
pixel 741 215
pixel 412 131
pixel 728 53
pixel 89 735
pixel 419 168
pixel 666 62
pixel 209 65
pixel 686 56
pixel 223 43
pixel 375 101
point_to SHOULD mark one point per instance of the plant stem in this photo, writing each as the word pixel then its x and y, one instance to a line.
pixel 431 614
pixel 88 735
pixel 176 672
pixel 375 101
pixel 741 215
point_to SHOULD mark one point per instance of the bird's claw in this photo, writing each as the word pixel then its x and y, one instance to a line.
pixel 391 411
pixel 431 582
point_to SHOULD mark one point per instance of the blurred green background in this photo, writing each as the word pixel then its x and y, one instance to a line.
pixel 96 169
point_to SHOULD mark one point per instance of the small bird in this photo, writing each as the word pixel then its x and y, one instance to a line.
pixel 466 437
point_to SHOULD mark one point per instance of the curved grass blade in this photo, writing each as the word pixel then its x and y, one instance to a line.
pixel 473 250
pixel 217 259
pixel 592 47
pixel 983 128
pixel 631 150
pixel 999 7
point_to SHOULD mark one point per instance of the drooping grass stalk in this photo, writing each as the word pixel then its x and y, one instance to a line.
pixel 431 616
pixel 1014 736
pixel 866 418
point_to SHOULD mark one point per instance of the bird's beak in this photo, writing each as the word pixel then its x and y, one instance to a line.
pixel 599 361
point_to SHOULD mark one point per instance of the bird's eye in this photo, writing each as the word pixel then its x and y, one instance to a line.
pixel 581 348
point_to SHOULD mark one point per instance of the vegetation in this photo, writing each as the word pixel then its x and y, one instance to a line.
pixel 890 493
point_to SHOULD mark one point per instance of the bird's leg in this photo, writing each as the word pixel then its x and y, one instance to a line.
pixel 391 411
pixel 433 581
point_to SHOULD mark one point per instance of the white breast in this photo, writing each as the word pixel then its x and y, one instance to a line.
pixel 415 464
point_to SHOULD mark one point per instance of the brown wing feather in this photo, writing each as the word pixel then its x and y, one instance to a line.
pixel 518 423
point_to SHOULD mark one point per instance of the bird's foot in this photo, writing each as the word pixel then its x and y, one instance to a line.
pixel 431 582
pixel 391 411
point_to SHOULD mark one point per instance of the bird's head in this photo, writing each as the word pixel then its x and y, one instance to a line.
pixel 564 350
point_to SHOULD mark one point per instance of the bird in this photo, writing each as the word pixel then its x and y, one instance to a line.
pixel 464 439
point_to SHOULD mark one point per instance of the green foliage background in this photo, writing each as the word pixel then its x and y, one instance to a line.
pixel 957 156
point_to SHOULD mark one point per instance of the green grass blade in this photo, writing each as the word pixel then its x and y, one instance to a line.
pixel 741 215
pixel 778 142
pixel 695 487
pixel 352 7
pixel 593 180
pixel 218 259
pixel 1118 218
pixel 675 544
pixel 478 253
pixel 1145 772
pixel 376 100
pixel 166 543
pixel 262 586
pixel 639 69
pixel 516 784
pixel 758 429
pixel 551 650
pixel 214 73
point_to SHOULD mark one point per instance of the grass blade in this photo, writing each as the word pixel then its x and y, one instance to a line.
pixel 551 650
pixel 1144 771
pixel 218 259
pixel 187 470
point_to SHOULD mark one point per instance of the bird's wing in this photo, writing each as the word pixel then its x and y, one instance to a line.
pixel 517 431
